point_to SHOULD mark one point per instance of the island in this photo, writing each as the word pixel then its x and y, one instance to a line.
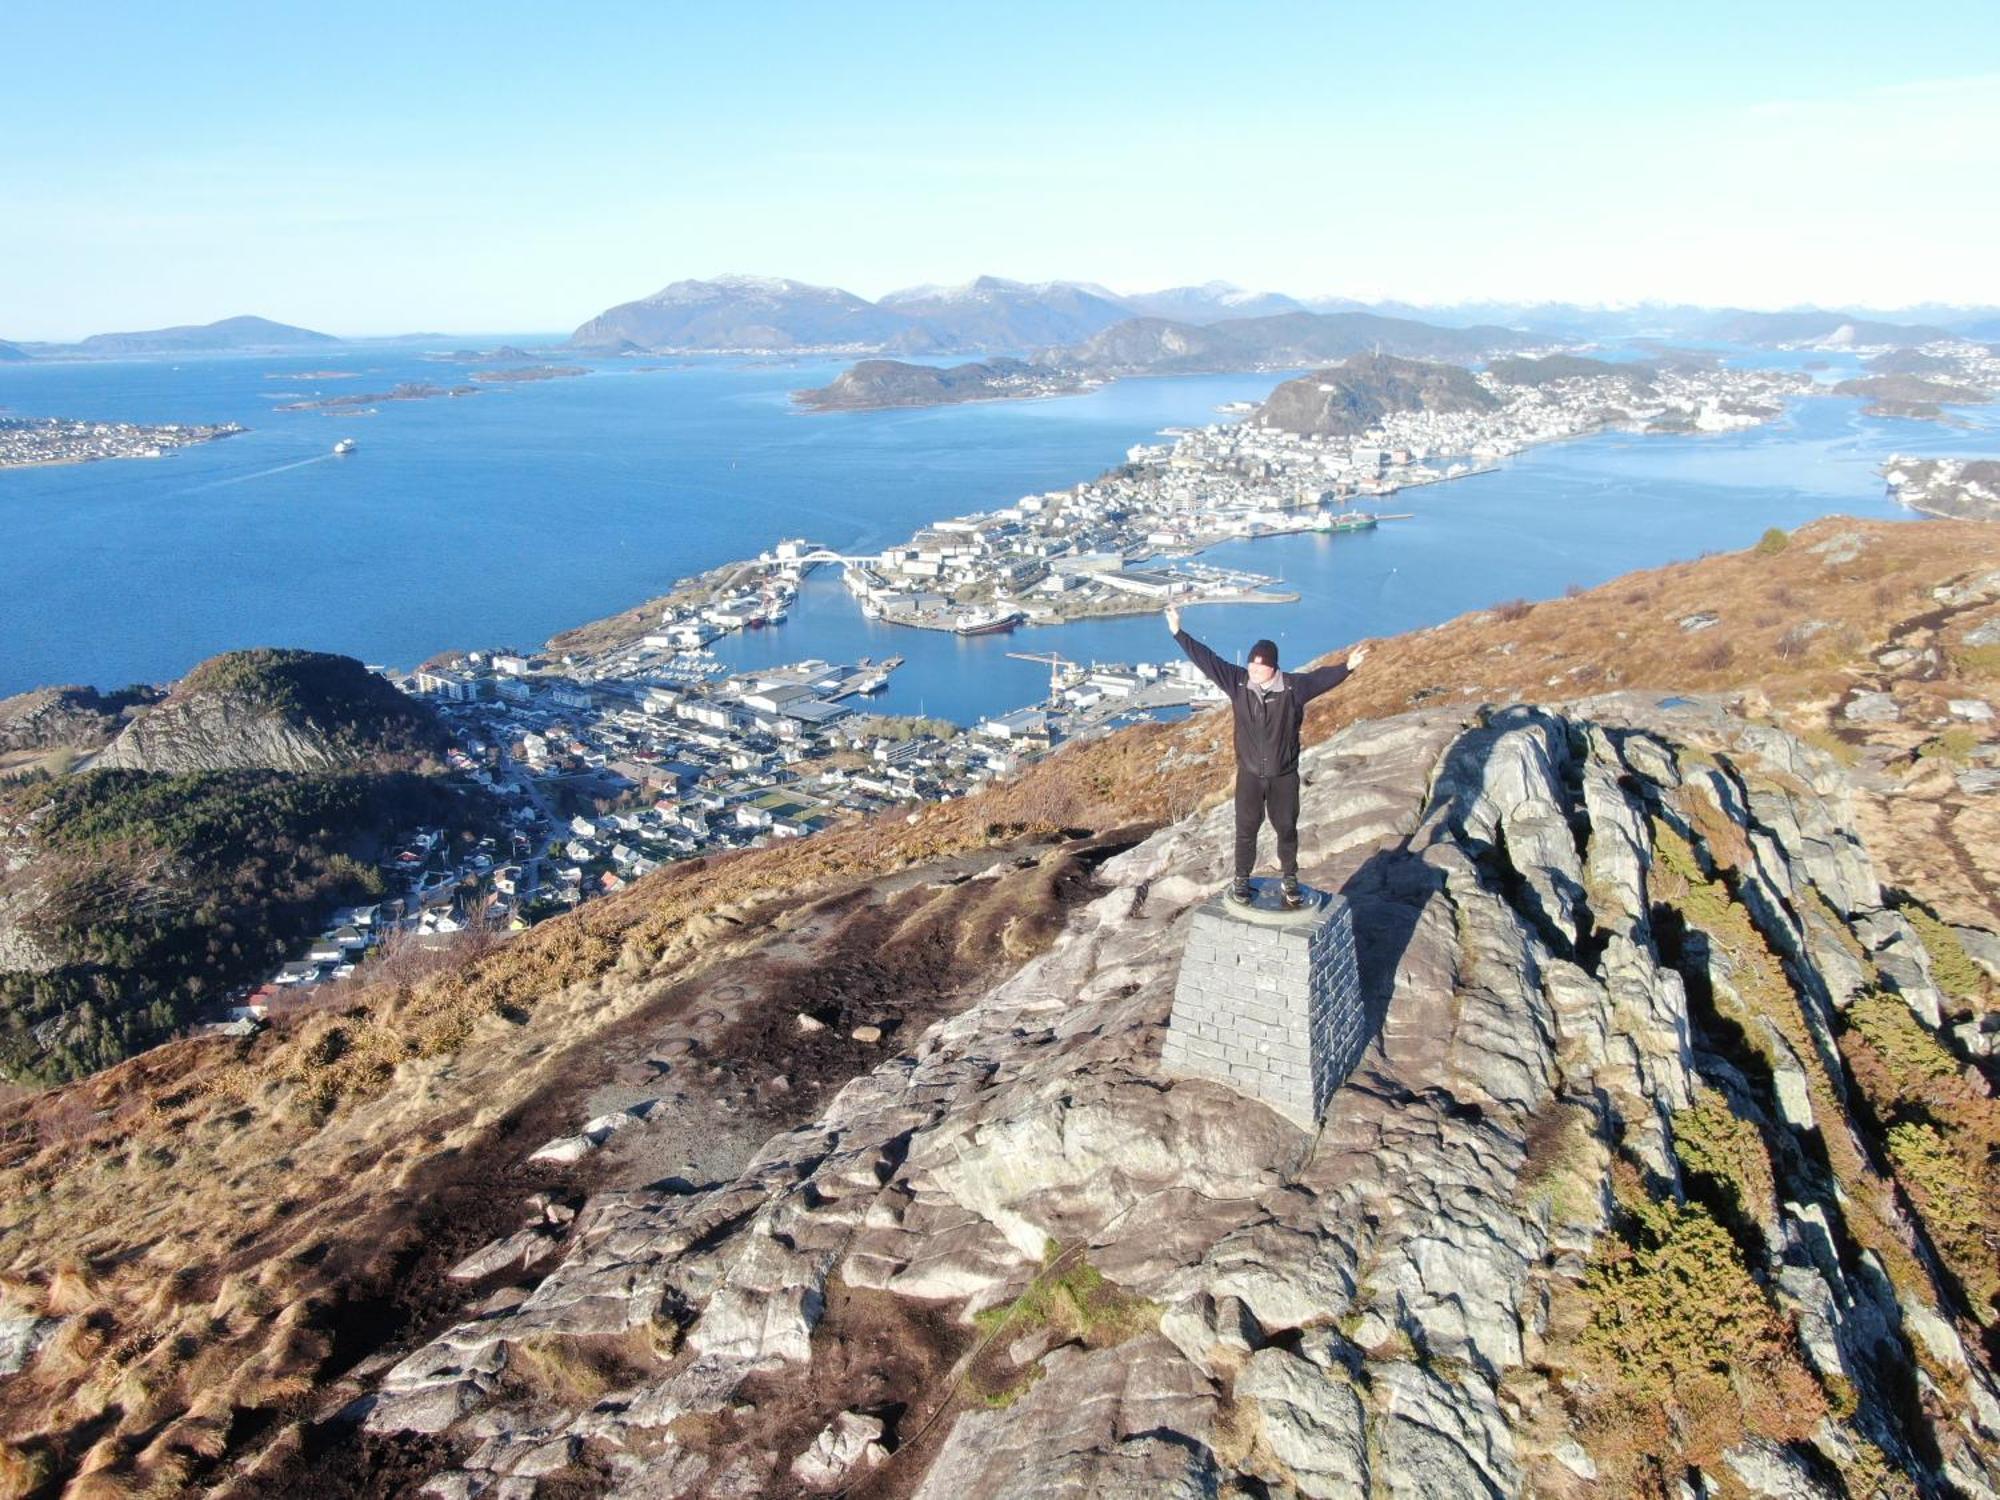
pixel 532 372
pixel 224 336
pixel 890 382
pixel 34 442
pixel 409 390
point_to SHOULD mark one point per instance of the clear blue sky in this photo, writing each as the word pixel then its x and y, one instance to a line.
pixel 371 168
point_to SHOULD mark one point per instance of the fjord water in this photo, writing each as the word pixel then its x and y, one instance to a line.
pixel 503 517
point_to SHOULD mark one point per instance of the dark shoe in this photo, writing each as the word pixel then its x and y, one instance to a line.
pixel 1241 894
pixel 1294 897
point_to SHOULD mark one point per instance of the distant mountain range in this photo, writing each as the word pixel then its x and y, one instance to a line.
pixel 1151 346
pixel 994 315
pixel 11 352
pixel 242 333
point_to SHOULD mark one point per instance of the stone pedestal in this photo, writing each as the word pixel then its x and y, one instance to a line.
pixel 1269 1001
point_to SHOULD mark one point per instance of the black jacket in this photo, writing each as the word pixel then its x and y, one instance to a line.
pixel 1267 724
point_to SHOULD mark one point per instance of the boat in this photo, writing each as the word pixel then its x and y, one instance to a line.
pixel 874 682
pixel 345 445
pixel 987 622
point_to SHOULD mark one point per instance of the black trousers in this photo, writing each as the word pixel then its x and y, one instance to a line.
pixel 1255 796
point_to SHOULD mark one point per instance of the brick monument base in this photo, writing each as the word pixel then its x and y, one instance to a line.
pixel 1269 1001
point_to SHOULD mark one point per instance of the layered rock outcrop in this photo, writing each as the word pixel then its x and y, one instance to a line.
pixel 1018 1260
pixel 276 710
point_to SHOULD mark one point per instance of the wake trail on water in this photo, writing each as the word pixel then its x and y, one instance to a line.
pixel 216 484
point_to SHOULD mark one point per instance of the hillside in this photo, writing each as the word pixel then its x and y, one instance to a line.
pixel 226 334
pixel 1554 367
pixel 202 843
pixel 133 899
pixel 1669 1151
pixel 1158 346
pixel 1352 397
pixel 278 709
pixel 10 353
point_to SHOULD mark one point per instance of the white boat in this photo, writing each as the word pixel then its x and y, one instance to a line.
pixel 345 445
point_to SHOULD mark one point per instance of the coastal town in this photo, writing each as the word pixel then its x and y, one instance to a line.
pixel 614 755
pixel 600 780
pixel 29 442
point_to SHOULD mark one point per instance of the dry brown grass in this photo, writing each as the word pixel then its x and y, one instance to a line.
pixel 272 1166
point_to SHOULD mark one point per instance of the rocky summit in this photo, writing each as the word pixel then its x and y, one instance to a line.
pixel 1602 1210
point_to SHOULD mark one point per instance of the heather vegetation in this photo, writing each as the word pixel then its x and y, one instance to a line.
pixel 1681 1353
pixel 156 893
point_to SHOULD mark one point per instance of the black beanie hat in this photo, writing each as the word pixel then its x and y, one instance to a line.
pixel 1266 652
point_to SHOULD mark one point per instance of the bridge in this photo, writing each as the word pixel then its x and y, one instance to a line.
pixel 819 555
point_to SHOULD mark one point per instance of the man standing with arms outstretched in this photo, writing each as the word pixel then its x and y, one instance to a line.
pixel 1268 706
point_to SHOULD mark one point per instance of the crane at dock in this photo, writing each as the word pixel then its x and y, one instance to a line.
pixel 1055 665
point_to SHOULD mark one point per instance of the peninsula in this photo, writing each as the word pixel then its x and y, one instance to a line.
pixel 1963 487
pixel 33 442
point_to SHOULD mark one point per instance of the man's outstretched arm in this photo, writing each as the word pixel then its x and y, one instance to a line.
pixel 1225 675
pixel 1310 684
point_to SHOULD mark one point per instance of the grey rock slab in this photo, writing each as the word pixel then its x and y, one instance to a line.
pixel 1312 1421
pixel 1981 946
pixel 516 1251
pixel 741 1323
pixel 426 1409
pixel 21 1335
pixel 1871 708
pixel 1767 1469
pixel 1435 1439
pixel 1131 1422
pixel 850 1442
pixel 565 1149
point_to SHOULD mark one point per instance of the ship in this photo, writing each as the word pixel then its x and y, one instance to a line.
pixel 987 622
pixel 345 445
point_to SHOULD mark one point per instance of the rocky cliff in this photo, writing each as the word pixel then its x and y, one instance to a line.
pixel 65 718
pixel 279 710
pixel 1614 951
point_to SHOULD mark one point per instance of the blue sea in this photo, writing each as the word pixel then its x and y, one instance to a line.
pixel 501 518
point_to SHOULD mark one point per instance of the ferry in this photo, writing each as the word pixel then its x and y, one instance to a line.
pixel 345 445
